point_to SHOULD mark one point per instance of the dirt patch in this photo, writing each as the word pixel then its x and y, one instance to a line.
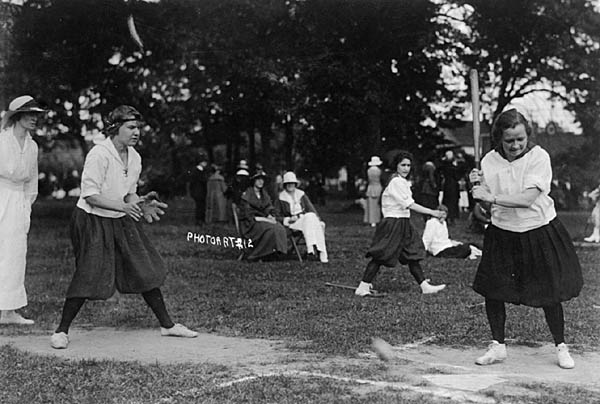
pixel 418 368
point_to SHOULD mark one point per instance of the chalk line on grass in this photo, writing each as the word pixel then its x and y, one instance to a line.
pixel 455 395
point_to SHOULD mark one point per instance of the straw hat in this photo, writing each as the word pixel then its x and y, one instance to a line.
pixel 242 171
pixel 24 103
pixel 290 177
pixel 375 161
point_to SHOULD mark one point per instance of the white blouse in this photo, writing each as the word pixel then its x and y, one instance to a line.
pixel 503 177
pixel 436 237
pixel 19 167
pixel 396 198
pixel 105 174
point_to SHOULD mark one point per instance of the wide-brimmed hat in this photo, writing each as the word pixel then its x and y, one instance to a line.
pixel 375 161
pixel 24 103
pixel 289 177
pixel 243 165
pixel 259 174
pixel 242 171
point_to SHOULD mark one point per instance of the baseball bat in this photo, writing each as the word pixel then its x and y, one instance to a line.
pixel 474 79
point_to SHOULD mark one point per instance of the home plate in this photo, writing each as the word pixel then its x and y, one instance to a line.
pixel 470 382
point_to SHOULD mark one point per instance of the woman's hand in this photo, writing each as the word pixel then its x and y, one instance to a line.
pixel 132 210
pixel 480 193
pixel 439 214
pixel 475 176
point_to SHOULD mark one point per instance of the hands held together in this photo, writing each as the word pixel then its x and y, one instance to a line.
pixel 148 206
pixel 479 192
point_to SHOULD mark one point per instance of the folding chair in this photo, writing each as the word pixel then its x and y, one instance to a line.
pixel 236 221
pixel 295 237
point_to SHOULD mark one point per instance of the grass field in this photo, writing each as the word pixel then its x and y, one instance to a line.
pixel 210 291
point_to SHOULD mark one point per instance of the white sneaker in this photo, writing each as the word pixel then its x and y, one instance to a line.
pixel 178 330
pixel 475 253
pixel 323 257
pixel 363 289
pixel 12 317
pixel 426 288
pixel 564 358
pixel 496 353
pixel 59 340
pixel 594 238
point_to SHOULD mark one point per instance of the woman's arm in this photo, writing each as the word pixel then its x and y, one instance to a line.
pixel 130 208
pixel 520 200
pixel 31 186
pixel 426 211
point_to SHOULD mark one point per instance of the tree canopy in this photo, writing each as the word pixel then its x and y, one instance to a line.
pixel 314 84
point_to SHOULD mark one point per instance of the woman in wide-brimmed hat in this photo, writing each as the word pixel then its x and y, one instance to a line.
pixel 111 248
pixel 299 214
pixel 18 191
pixel 258 222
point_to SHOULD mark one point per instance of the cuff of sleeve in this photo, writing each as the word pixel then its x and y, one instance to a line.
pixel 535 181
pixel 286 221
pixel 408 202
pixel 89 192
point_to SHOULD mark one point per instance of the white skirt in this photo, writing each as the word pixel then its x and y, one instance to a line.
pixel 15 211
pixel 313 231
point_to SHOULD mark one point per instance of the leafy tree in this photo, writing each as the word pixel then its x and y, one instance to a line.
pixel 516 45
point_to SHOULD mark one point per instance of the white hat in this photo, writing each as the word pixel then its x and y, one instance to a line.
pixel 290 177
pixel 24 103
pixel 243 165
pixel 242 172
pixel 375 161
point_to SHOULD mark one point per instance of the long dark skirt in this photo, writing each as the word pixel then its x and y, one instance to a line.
pixel 112 253
pixel 396 240
pixel 267 238
pixel 536 268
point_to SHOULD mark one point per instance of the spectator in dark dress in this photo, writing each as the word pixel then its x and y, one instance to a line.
pixel 451 171
pixel 197 183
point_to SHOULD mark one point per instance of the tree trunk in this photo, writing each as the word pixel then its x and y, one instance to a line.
pixel 251 148
pixel 373 129
pixel 289 145
pixel 265 140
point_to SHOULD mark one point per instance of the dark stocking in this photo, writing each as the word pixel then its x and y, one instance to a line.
pixel 154 299
pixel 416 271
pixel 496 314
pixel 556 322
pixel 70 310
pixel 371 271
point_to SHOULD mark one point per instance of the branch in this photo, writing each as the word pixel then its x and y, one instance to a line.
pixel 545 90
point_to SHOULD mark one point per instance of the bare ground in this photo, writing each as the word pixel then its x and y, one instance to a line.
pixel 419 368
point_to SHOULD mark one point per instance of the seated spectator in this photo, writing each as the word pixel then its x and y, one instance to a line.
pixel 299 214
pixel 258 223
pixel 239 183
pixel 438 243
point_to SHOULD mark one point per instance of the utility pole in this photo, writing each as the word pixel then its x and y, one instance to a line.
pixel 8 9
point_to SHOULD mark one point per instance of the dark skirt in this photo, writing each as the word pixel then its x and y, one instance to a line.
pixel 536 268
pixel 396 240
pixel 112 253
pixel 457 251
pixel 267 239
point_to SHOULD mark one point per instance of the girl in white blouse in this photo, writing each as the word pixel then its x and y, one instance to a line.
pixel 18 190
pixel 395 238
pixel 112 251
pixel 528 256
